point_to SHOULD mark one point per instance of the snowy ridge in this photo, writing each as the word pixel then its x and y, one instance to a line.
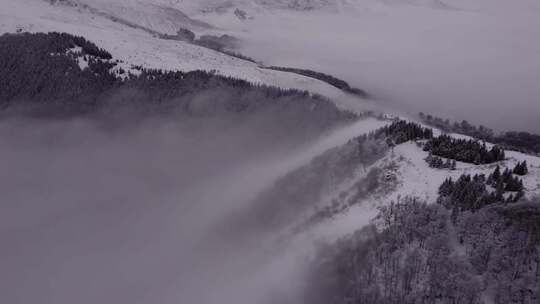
pixel 407 174
pixel 135 47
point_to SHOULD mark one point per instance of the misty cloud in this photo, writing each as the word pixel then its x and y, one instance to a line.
pixel 100 210
pixel 476 60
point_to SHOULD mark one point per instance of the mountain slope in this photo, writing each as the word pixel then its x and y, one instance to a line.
pixel 151 15
pixel 398 173
pixel 135 47
pixel 144 180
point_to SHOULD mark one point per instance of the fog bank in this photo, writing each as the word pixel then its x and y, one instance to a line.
pixel 476 60
pixel 99 212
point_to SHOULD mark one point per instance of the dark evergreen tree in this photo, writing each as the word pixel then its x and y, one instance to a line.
pixel 499 190
pixel 521 168
pixel 507 175
pixel 497 174
pixel 514 184
pixel 447 187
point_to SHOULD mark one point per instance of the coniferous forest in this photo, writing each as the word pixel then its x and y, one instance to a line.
pixel 465 150
pixel 519 141
pixel 336 82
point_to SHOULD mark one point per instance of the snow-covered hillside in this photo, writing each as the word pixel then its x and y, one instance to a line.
pixel 405 173
pixel 191 188
pixel 137 47
pixel 98 21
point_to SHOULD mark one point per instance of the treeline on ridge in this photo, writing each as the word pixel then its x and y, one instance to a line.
pixel 512 140
pixel 331 80
pixel 474 192
pixel 464 150
pixel 40 72
pixel 224 44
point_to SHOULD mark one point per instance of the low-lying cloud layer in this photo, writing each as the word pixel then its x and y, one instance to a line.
pixel 95 210
pixel 476 60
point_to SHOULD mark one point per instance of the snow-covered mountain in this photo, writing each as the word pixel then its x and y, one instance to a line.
pixel 389 57
pixel 137 47
pixel 132 177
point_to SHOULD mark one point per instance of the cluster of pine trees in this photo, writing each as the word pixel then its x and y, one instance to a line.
pixel 401 131
pixel 505 181
pixel 474 192
pixel 331 80
pixel 512 140
pixel 465 150
pixel 439 163
pixel 469 151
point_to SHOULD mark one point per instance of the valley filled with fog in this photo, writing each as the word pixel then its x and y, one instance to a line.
pixel 147 213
